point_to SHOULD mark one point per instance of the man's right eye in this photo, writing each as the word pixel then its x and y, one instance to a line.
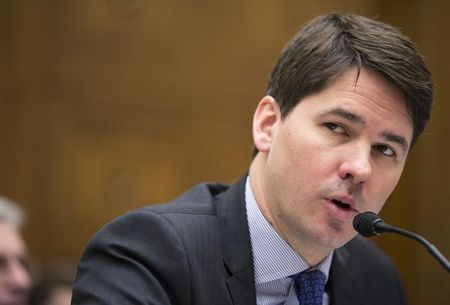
pixel 3 263
pixel 335 128
pixel 25 263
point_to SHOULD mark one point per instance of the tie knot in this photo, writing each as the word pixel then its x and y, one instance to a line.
pixel 310 286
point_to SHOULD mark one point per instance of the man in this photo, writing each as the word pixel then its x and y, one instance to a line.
pixel 15 280
pixel 346 101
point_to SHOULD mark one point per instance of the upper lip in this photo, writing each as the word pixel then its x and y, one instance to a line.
pixel 344 198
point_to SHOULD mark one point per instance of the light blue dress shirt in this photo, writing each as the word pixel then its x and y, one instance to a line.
pixel 274 260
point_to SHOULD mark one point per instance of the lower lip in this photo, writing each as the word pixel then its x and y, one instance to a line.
pixel 340 213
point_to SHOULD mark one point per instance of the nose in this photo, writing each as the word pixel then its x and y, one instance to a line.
pixel 19 278
pixel 356 166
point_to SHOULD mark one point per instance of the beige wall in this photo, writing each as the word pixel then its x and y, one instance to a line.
pixel 106 105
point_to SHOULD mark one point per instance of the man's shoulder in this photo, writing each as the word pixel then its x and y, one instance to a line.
pixel 178 218
pixel 197 200
pixel 193 206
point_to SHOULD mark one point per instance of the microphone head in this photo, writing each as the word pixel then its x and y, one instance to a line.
pixel 364 223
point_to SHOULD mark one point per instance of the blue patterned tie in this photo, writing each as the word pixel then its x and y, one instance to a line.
pixel 309 286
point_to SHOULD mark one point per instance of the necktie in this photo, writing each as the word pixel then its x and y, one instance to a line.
pixel 309 286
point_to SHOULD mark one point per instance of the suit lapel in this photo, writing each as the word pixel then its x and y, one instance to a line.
pixel 236 245
pixel 341 285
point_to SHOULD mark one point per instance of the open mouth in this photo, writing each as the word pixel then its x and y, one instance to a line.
pixel 341 204
pixel 341 210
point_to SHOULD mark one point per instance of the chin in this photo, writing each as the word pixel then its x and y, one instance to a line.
pixel 333 239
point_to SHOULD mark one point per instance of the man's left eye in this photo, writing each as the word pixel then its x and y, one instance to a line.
pixel 385 150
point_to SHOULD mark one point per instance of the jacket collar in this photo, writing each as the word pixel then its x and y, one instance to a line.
pixel 236 245
pixel 342 283
pixel 238 258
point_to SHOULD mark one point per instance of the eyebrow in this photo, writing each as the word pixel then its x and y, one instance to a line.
pixel 354 118
pixel 396 139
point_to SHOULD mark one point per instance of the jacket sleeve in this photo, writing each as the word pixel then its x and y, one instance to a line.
pixel 136 259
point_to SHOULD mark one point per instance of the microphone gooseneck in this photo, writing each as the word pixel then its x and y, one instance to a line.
pixel 369 224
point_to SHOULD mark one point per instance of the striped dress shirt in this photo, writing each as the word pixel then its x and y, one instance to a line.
pixel 274 260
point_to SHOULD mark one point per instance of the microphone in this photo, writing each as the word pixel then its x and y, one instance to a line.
pixel 369 224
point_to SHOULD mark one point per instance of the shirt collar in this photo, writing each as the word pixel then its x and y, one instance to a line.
pixel 273 258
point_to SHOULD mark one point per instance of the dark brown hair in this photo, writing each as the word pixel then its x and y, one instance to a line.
pixel 331 44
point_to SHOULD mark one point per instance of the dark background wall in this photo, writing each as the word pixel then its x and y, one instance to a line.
pixel 108 105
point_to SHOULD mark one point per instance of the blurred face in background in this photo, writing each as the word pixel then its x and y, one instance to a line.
pixel 15 280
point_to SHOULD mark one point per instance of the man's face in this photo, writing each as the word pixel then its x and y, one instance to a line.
pixel 15 280
pixel 338 152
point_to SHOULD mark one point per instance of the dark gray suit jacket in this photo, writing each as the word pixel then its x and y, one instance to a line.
pixel 197 251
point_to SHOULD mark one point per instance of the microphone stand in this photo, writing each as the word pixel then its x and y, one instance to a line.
pixel 384 227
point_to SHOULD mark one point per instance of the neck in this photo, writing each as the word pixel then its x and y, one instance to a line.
pixel 312 253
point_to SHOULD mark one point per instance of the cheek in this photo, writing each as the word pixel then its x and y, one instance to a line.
pixel 304 147
pixel 306 163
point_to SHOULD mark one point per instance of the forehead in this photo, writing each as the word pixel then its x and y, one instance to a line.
pixel 370 84
pixel 365 90
pixel 11 242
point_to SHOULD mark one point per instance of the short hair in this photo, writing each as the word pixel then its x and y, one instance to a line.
pixel 10 211
pixel 331 44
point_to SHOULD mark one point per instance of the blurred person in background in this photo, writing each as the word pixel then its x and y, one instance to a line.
pixel 53 286
pixel 15 278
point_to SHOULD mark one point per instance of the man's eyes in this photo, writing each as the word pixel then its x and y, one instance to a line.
pixel 5 261
pixel 382 148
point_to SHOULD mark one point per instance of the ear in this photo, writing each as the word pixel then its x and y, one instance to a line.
pixel 265 120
